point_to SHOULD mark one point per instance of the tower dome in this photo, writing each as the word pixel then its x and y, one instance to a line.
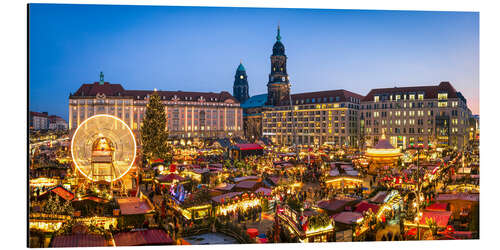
pixel 278 48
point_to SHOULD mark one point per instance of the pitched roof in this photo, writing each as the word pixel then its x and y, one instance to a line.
pixel 324 96
pixel 93 89
pixel 224 197
pixel 255 101
pixel 347 218
pixel 111 89
pixel 79 240
pixel 248 146
pixel 143 238
pixel 133 205
pixel 365 206
pixel 430 92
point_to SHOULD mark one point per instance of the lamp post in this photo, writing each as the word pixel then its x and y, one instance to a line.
pixel 418 148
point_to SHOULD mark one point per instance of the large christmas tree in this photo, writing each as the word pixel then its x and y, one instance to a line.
pixel 154 135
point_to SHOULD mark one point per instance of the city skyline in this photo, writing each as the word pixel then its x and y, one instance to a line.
pixel 204 49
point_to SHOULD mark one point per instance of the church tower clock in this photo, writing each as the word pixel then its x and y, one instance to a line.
pixel 240 86
pixel 278 87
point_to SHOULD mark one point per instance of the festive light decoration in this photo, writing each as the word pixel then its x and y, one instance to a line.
pixel 99 127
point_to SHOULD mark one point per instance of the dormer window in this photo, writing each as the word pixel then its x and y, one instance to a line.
pixel 442 96
pixel 376 98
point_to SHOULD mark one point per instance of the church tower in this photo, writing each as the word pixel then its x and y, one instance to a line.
pixel 240 86
pixel 278 87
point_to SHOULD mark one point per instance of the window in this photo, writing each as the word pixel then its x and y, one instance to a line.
pixel 442 104
pixel 376 98
pixel 398 97
pixel 442 96
pixel 412 97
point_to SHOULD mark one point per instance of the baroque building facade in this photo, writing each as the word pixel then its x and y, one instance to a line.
pixel 189 114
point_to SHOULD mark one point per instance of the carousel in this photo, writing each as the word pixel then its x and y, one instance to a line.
pixel 382 156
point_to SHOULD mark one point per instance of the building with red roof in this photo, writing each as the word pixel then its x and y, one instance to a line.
pixel 189 114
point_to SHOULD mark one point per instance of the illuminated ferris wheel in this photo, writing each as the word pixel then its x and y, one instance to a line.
pixel 103 148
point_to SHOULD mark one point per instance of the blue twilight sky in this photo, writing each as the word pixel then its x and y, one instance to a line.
pixel 199 49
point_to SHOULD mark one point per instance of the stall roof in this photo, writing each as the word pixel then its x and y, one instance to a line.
pixel 352 172
pixel 458 196
pixel 264 191
pixel 225 186
pixel 246 178
pixel 439 206
pixel 246 184
pixel 59 191
pixel 142 238
pixel 248 146
pixel 79 240
pixel 364 206
pixel 133 205
pixel 379 197
pixel 332 205
pixel 169 178
pixel 441 217
pixel 347 218
pixel 221 197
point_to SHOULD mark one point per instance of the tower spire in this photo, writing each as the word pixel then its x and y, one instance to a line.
pixel 101 78
pixel 278 37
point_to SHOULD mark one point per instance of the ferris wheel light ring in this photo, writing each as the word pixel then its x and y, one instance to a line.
pixel 127 129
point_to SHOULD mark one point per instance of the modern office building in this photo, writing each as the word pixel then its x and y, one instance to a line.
pixel 419 115
pixel 318 117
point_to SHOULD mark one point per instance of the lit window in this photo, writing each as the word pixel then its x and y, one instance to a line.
pixel 420 96
pixel 376 98
pixel 442 96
